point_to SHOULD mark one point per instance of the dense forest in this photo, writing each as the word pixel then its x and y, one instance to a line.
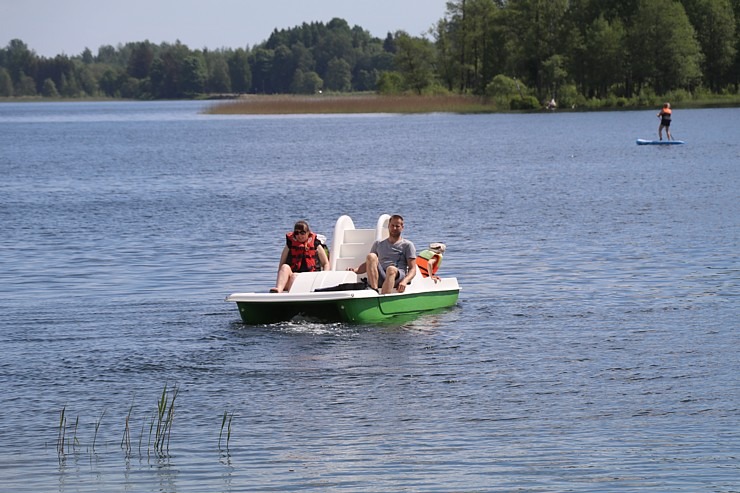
pixel 572 50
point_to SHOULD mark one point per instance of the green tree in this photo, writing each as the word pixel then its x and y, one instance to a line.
pixel 20 62
pixel 302 57
pixel 107 54
pixel 25 86
pixel 305 82
pixel 218 72
pixel 68 86
pixel 49 89
pixel 389 82
pixel 87 57
pixel 604 56
pixel 714 21
pixel 283 68
pixel 503 90
pixel 338 76
pixel 448 66
pixel 734 72
pixel 193 76
pixel 261 64
pixel 336 42
pixel 413 61
pixel 109 83
pixel 312 82
pixel 6 83
pixel 554 75
pixel 140 60
pixel 467 43
pixel 365 80
pixel 86 78
pixel 535 34
pixel 239 71
pixel 663 47
pixel 168 69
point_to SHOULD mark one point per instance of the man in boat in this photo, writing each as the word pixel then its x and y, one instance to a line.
pixel 665 121
pixel 303 252
pixel 391 261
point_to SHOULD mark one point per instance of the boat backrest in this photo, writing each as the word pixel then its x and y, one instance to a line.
pixel 350 245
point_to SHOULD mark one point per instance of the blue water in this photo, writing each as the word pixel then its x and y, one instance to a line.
pixel 594 347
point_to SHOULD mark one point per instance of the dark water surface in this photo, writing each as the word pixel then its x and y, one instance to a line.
pixel 594 347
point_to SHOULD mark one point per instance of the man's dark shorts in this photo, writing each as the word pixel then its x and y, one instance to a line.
pixel 401 275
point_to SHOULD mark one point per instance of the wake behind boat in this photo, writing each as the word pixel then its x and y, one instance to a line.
pixel 339 295
pixel 645 142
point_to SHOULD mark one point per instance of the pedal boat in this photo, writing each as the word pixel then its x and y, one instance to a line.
pixel 345 300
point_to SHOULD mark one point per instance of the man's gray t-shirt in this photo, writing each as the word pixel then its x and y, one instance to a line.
pixel 397 253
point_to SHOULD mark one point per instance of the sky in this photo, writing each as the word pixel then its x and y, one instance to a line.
pixel 53 27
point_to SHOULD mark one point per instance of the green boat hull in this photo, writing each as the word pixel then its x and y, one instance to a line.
pixel 355 310
pixel 382 308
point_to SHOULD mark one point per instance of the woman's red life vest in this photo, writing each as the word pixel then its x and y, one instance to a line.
pixel 302 257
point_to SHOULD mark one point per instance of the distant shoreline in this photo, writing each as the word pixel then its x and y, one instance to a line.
pixel 359 103
pixel 408 104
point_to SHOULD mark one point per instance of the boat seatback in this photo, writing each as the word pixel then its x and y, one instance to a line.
pixel 350 245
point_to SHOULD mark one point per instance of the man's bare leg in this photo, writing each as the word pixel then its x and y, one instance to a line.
pixel 372 270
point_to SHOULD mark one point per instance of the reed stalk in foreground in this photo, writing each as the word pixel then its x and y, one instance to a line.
pixel 75 441
pixel 72 442
pixel 165 417
pixel 224 422
pixel 97 427
pixel 126 439
pixel 61 432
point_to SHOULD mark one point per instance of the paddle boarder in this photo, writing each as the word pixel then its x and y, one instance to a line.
pixel 392 261
pixel 665 121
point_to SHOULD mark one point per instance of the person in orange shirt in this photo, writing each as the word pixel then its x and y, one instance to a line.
pixel 665 121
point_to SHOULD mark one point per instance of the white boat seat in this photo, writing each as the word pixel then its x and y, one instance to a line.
pixel 307 282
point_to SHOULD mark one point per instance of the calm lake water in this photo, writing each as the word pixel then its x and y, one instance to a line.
pixel 594 347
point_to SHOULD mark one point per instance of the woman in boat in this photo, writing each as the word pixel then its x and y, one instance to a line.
pixel 303 252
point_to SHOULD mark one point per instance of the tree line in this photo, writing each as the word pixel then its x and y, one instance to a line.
pixel 572 50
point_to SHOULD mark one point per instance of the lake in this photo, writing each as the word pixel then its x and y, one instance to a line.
pixel 594 346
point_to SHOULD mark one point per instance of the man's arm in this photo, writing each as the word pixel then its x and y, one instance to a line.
pixel 411 267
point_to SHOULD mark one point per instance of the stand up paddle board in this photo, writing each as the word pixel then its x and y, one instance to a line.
pixel 644 142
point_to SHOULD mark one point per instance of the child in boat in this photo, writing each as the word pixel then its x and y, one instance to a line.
pixel 429 260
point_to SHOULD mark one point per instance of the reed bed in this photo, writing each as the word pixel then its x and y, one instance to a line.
pixel 159 425
pixel 364 103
